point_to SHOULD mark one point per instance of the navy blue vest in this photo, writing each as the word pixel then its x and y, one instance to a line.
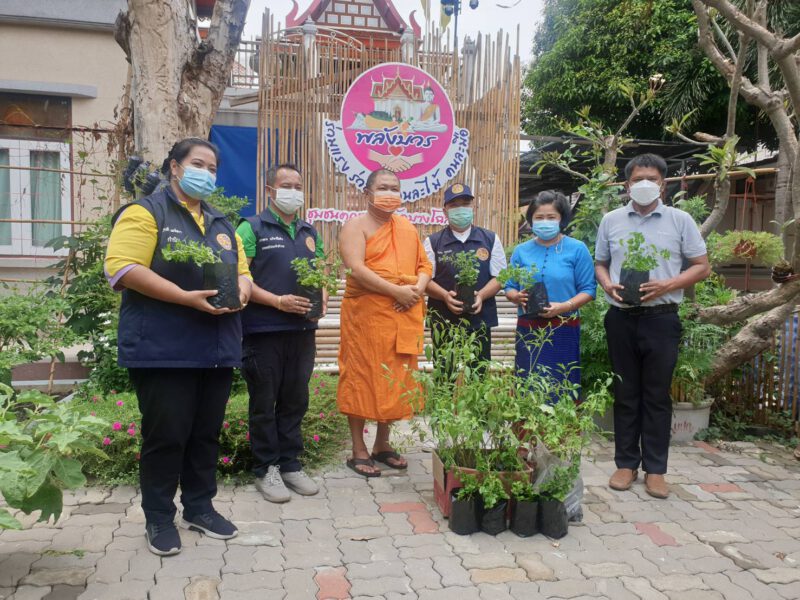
pixel 153 333
pixel 271 270
pixel 481 241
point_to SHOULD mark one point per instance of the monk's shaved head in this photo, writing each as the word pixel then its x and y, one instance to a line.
pixel 383 174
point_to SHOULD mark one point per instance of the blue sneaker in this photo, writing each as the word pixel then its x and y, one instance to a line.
pixel 213 524
pixel 162 538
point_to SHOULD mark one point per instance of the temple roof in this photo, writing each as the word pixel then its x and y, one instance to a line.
pixel 353 14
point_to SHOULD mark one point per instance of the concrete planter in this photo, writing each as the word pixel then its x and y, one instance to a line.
pixel 688 419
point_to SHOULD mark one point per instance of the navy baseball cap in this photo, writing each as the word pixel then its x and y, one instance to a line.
pixel 456 191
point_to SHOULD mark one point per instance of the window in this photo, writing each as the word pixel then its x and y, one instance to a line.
pixel 33 189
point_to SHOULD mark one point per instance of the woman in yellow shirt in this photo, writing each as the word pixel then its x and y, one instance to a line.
pixel 180 351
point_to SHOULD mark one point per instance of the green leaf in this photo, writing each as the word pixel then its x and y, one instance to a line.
pixel 48 499
pixel 68 471
pixel 63 440
pixel 7 521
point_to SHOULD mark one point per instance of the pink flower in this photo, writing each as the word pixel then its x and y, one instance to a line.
pixel 131 432
pixel 247 436
pixel 120 403
pixel 316 438
pixel 225 425
pixel 95 398
pixel 366 430
pixel 321 384
pixel 116 426
pixel 106 441
pixel 321 415
pixel 94 414
pixel 225 460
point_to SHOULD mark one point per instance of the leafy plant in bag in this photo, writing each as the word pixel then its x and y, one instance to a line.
pixel 314 276
pixel 525 278
pixel 216 275
pixel 524 491
pixel 467 268
pixel 227 205
pixel 640 259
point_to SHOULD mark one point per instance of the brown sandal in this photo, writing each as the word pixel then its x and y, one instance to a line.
pixel 354 463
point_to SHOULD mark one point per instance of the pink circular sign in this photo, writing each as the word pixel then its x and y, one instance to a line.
pixel 395 116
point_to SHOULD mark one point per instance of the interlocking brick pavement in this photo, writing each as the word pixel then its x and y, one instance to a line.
pixel 730 529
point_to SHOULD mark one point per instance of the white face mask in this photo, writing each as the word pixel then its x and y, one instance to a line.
pixel 288 201
pixel 645 192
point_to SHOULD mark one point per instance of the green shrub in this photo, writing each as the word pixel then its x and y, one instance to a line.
pixel 324 432
pixel 466 266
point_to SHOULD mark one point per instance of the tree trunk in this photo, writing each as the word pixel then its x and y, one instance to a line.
pixel 722 195
pixel 754 338
pixel 177 81
pixel 783 191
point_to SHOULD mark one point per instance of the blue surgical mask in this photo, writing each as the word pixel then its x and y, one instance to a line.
pixel 546 230
pixel 197 183
pixel 460 216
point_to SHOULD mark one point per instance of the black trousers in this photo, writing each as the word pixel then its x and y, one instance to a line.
pixel 277 367
pixel 643 351
pixel 182 413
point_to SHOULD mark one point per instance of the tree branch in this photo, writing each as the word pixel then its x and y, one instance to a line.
pixel 722 196
pixel 744 307
pixel 736 83
pixel 726 42
pixel 745 24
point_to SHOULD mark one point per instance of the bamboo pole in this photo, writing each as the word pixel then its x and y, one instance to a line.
pixel 64 171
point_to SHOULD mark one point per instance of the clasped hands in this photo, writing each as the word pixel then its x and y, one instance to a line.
pixel 406 296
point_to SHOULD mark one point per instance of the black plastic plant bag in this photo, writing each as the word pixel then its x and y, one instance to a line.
pixel 466 294
pixel 537 300
pixel 464 518
pixel 525 518
pixel 314 295
pixel 553 520
pixel 631 280
pixel 225 279
pixel 493 520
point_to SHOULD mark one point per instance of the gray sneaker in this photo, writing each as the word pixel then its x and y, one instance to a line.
pixel 300 483
pixel 271 486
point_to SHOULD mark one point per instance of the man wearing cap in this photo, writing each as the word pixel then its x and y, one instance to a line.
pixel 461 235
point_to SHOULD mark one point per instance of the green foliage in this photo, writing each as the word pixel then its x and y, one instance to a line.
pixel 93 305
pixel 492 490
pixel 470 487
pixel 227 205
pixel 696 206
pixel 466 265
pixel 190 251
pixel 318 273
pixel 524 491
pixel 42 443
pixel 733 422
pixel 745 246
pixel 640 256
pixel 586 52
pixel 722 160
pixel 599 195
pixel 524 277
pixel 324 433
pixel 595 362
pixel 30 328
pixel 559 484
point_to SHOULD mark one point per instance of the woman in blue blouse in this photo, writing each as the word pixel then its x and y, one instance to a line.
pixel 566 268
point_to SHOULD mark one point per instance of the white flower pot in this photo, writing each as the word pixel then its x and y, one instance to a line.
pixel 688 419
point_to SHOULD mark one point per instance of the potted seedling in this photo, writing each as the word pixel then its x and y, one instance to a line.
pixel 525 278
pixel 465 506
pixel 313 276
pixel 640 259
pixel 467 268
pixel 494 498
pixel 525 510
pixel 554 489
pixel 217 275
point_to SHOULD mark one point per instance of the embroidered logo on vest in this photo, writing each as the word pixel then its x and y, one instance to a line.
pixel 224 241
pixel 311 244
pixel 482 254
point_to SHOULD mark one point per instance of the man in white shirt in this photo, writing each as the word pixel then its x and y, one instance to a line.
pixel 461 235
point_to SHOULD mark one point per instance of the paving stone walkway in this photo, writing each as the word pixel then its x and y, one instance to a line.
pixel 731 529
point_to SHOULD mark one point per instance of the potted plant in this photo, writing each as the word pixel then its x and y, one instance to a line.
pixel 465 507
pixel 467 268
pixel 745 247
pixel 554 489
pixel 314 276
pixel 217 275
pixel 494 499
pixel 525 509
pixel 640 259
pixel 536 290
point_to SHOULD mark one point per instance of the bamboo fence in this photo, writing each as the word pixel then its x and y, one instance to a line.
pixel 303 79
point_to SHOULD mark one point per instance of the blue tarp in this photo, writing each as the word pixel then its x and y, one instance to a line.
pixel 237 166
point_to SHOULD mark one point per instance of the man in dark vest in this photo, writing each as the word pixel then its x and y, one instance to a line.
pixel 279 342
pixel 461 235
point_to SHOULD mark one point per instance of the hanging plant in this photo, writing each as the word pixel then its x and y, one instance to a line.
pixel 745 246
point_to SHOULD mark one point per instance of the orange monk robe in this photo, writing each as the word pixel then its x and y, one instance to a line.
pixel 379 346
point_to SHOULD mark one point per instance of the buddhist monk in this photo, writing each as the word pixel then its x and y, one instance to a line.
pixel 381 321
